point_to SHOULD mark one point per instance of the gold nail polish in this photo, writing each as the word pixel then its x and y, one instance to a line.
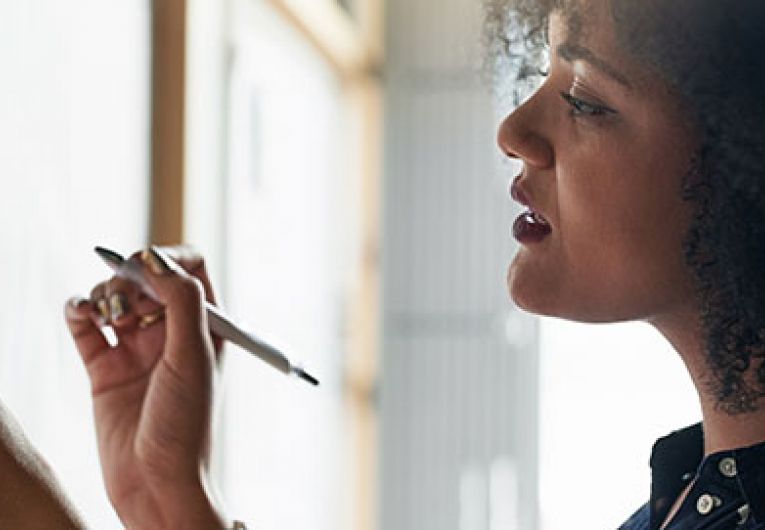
pixel 104 309
pixel 118 306
pixel 155 261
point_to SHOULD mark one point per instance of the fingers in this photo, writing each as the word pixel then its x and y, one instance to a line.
pixel 190 261
pixel 174 330
pixel 100 305
pixel 81 318
pixel 108 366
pixel 122 298
pixel 193 264
pixel 186 319
pixel 121 304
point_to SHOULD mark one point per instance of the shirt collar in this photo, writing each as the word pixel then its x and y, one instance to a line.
pixel 678 458
pixel 675 458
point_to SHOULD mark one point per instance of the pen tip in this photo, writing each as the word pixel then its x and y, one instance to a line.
pixel 109 255
pixel 306 376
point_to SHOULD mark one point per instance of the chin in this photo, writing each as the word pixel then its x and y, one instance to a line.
pixel 538 294
pixel 532 306
pixel 541 299
pixel 530 294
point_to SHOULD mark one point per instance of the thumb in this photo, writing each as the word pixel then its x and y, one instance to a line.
pixel 188 335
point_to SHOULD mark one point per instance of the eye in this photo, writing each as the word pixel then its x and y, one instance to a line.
pixel 580 107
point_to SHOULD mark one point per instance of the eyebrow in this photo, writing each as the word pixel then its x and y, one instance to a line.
pixel 573 52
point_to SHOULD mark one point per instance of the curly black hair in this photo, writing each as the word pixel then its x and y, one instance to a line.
pixel 712 55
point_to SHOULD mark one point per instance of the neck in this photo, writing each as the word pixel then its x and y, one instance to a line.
pixel 722 431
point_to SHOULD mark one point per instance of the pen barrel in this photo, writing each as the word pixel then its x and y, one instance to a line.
pixel 218 322
pixel 133 271
pixel 222 326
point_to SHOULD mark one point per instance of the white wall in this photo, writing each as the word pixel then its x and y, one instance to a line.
pixel 607 393
pixel 74 111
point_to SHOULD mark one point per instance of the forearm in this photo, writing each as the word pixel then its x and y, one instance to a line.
pixel 31 498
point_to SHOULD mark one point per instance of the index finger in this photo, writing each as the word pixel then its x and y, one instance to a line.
pixel 192 262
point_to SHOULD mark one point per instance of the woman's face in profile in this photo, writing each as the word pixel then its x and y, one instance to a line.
pixel 604 150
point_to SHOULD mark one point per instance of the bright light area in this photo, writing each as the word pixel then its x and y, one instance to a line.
pixel 607 393
pixel 74 121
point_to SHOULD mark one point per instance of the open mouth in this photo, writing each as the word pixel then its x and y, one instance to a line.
pixel 531 226
pixel 537 217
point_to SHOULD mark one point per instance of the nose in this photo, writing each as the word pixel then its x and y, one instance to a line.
pixel 521 135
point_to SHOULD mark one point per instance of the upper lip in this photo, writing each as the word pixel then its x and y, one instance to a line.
pixel 521 196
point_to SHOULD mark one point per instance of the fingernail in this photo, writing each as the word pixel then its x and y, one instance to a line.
pixel 118 306
pixel 156 261
pixel 78 302
pixel 103 309
pixel 74 306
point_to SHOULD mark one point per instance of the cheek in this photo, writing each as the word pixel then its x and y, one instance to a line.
pixel 616 253
pixel 621 239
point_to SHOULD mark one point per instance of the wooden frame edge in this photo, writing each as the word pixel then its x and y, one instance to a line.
pixel 168 120
pixel 342 42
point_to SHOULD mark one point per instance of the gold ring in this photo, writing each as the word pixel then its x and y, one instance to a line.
pixel 149 319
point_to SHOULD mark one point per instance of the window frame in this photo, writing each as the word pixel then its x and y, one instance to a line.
pixel 168 121
pixel 353 45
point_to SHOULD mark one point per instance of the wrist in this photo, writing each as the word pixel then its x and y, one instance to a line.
pixel 192 507
pixel 173 506
pixel 194 510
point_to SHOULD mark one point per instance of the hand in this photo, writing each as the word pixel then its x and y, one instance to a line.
pixel 152 391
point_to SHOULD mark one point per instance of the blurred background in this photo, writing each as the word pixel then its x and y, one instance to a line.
pixel 335 162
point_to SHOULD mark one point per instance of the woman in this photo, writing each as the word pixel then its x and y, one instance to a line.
pixel 643 173
pixel 642 157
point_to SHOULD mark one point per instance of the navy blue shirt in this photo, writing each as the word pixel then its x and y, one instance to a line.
pixel 728 489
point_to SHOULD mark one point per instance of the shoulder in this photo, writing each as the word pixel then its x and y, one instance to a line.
pixel 30 496
pixel 640 520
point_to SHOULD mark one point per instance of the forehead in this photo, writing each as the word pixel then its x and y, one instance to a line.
pixel 583 21
pixel 590 24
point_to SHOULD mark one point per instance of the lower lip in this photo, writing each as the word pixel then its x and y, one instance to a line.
pixel 527 230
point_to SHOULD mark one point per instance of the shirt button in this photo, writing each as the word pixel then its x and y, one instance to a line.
pixel 727 467
pixel 743 514
pixel 705 504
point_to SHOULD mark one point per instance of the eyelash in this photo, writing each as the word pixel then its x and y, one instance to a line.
pixel 579 107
